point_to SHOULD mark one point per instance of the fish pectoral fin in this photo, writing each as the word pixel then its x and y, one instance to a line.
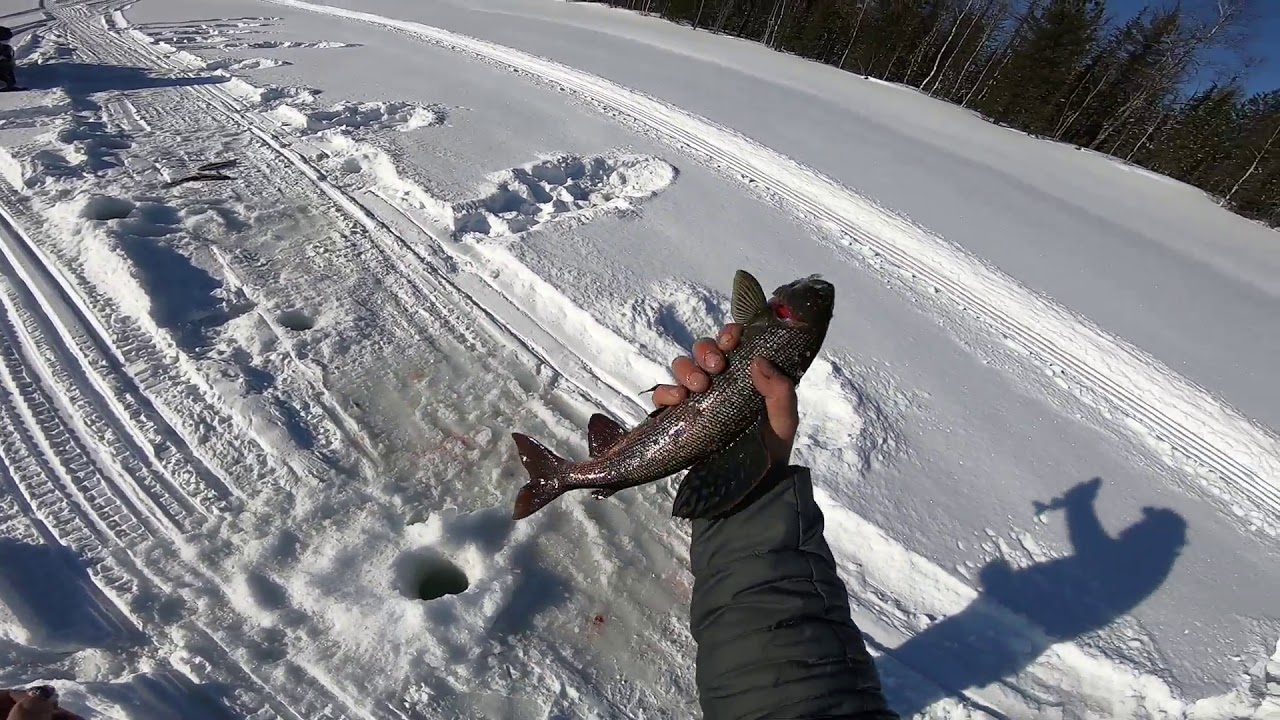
pixel 603 432
pixel 716 485
pixel 748 298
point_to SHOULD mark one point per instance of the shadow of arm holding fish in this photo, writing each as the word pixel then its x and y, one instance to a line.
pixel 769 611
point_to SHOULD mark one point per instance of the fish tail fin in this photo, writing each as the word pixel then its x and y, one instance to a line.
pixel 543 467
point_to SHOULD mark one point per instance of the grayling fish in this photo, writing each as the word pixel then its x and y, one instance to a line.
pixel 716 434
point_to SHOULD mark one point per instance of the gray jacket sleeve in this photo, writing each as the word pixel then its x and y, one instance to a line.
pixel 771 616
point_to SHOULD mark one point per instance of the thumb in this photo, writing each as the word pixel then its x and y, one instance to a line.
pixel 32 707
pixel 779 398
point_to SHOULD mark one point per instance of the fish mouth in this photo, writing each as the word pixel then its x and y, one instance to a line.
pixel 807 302
pixel 783 313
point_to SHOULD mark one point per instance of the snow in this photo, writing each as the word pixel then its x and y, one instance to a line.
pixel 250 424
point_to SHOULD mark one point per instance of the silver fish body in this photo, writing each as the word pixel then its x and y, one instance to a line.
pixel 716 433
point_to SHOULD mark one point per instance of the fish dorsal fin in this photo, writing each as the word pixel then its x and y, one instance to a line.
pixel 717 485
pixel 748 297
pixel 603 432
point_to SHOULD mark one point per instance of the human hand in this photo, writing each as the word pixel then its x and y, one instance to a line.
pixel 692 374
pixel 33 703
pixel 1084 492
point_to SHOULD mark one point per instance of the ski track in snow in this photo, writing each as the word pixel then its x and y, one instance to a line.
pixel 92 389
pixel 1234 461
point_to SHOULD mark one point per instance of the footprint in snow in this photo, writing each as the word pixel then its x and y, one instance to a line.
pixel 395 115
pixel 563 187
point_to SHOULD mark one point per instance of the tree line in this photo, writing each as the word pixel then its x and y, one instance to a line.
pixel 1062 69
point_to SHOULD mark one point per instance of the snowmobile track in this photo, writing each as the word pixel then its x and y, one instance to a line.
pixel 145 377
pixel 49 467
pixel 77 462
pixel 159 390
pixel 62 487
pixel 49 321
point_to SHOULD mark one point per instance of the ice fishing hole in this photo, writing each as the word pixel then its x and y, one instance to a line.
pixel 444 578
pixel 296 320
pixel 105 207
pixel 427 575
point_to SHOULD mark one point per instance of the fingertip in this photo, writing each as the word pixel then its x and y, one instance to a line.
pixel 669 395
pixel 697 381
pixel 768 379
pixel 729 337
pixel 708 355
pixel 681 367
pixel 761 367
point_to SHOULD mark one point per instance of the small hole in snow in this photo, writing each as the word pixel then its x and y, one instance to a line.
pixel 105 207
pixel 425 574
pixel 296 320
pixel 439 577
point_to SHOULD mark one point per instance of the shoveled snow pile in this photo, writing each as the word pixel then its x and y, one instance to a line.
pixel 565 188
pixel 400 116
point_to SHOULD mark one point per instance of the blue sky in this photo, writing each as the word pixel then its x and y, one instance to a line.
pixel 1266 35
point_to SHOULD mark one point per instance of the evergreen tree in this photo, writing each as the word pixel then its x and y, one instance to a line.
pixel 1032 89
pixel 1254 176
pixel 1201 138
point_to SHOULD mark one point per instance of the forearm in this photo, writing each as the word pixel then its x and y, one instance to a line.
pixel 771 616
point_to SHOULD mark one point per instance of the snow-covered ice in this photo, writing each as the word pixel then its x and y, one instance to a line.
pixel 254 456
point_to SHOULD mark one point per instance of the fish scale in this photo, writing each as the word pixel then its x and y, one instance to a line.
pixel 708 431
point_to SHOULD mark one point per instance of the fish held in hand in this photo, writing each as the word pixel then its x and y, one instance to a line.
pixel 715 435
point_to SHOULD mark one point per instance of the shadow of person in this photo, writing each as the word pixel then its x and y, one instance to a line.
pixel 87 78
pixel 1063 599
pixel 51 604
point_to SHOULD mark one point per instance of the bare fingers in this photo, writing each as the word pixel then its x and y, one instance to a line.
pixel 665 395
pixel 729 337
pixel 692 373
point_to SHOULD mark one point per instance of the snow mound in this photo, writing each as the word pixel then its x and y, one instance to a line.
pixel 848 416
pixel 277 44
pixel 674 314
pixel 1258 699
pixel 11 169
pixel 242 64
pixel 397 115
pixel 138 252
pixel 195 62
pixel 270 95
pixel 562 187
pixel 41 48
pixel 217 35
